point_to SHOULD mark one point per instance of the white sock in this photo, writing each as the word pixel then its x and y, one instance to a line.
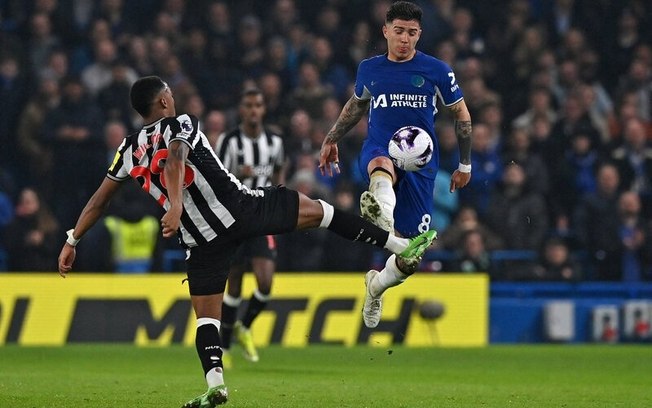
pixel 215 377
pixel 381 186
pixel 388 277
pixel 231 301
pixel 262 297
pixel 395 244
pixel 329 211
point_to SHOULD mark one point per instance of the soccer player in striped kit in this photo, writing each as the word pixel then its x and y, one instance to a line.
pixel 255 155
pixel 212 213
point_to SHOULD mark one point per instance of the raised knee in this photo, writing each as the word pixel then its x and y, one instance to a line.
pixel 407 268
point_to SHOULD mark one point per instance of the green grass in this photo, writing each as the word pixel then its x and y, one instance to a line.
pixel 328 376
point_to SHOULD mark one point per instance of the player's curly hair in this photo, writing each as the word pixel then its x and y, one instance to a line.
pixel 403 10
pixel 143 92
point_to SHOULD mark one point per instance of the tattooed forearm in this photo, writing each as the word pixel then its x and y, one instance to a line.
pixel 463 130
pixel 353 111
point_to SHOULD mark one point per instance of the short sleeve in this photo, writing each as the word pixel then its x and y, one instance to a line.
pixel 450 90
pixel 361 80
pixel 117 170
pixel 186 129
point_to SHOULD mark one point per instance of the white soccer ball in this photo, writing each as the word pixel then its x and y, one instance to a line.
pixel 410 148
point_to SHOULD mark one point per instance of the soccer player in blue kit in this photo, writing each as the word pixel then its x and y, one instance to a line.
pixel 399 88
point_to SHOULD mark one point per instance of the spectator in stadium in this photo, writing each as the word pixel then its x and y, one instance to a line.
pixel 359 47
pixel 100 73
pixel 14 93
pixel 112 96
pixel 256 156
pixel 556 263
pixel 518 151
pixel 115 133
pixel 42 40
pixel 249 51
pixel 30 237
pixel 37 154
pixel 516 213
pixel 73 132
pixel 632 237
pixel 472 256
pixel 379 80
pixel 212 214
pixel 311 91
pixel 598 237
pixel 634 158
pixel 539 104
pixel 300 131
pixel 331 72
pixel 574 119
pixel 488 170
pixel 467 220
pixel 214 124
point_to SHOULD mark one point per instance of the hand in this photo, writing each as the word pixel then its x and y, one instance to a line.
pixel 170 221
pixel 459 180
pixel 329 156
pixel 66 259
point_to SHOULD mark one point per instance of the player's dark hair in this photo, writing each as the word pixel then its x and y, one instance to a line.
pixel 252 91
pixel 143 92
pixel 403 10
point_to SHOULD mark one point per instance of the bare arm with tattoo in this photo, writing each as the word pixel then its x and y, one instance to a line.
pixel 353 111
pixel 463 131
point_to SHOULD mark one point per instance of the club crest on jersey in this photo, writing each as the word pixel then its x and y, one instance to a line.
pixel 186 126
pixel 417 80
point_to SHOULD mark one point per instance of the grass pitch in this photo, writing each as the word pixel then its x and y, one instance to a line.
pixel 329 376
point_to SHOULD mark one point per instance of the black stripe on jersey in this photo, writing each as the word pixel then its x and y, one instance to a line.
pixel 225 146
pixel 238 139
pixel 192 229
pixel 229 193
pixel 205 210
pixel 256 150
pixel 270 142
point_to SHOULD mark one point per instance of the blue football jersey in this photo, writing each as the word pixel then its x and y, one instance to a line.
pixel 401 94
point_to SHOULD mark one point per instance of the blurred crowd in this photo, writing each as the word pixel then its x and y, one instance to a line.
pixel 560 93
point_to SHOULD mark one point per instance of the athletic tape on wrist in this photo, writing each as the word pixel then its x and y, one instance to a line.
pixel 71 239
pixel 464 168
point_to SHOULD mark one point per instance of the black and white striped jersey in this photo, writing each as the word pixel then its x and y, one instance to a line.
pixel 211 195
pixel 264 153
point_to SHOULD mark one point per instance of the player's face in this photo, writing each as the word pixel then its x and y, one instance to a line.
pixel 252 110
pixel 402 37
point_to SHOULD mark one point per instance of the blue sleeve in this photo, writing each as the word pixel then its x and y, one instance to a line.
pixel 450 91
pixel 361 81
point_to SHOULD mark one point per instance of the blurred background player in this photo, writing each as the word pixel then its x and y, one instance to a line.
pixel 255 155
pixel 397 89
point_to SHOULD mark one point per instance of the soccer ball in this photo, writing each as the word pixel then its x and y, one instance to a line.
pixel 410 148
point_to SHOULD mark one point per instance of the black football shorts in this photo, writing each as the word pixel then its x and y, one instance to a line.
pixel 274 212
